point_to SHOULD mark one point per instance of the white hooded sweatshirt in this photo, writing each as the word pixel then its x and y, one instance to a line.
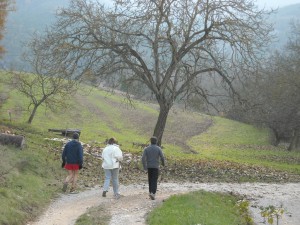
pixel 111 156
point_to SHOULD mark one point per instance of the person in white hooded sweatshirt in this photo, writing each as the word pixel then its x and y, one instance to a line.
pixel 111 156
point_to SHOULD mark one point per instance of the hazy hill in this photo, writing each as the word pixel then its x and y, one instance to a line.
pixel 34 15
pixel 282 20
pixel 30 16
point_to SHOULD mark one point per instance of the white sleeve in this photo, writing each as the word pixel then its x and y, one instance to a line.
pixel 118 154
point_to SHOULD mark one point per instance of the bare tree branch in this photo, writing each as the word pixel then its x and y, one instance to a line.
pixel 166 45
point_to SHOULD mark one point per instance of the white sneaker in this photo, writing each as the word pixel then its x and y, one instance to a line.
pixel 117 196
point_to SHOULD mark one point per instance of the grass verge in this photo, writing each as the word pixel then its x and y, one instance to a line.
pixel 198 208
pixel 29 179
pixel 95 216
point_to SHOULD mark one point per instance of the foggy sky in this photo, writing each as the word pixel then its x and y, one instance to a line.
pixel 276 3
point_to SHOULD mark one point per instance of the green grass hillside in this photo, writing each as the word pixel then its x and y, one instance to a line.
pixel 214 144
pixel 197 147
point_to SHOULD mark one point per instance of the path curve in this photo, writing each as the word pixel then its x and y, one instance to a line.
pixel 132 208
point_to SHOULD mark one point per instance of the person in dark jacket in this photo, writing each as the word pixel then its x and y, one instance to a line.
pixel 150 159
pixel 72 159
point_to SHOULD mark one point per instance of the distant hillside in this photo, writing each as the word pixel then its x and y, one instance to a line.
pixel 282 20
pixel 34 15
pixel 30 16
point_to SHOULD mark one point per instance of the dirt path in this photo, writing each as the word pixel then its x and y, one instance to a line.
pixel 131 209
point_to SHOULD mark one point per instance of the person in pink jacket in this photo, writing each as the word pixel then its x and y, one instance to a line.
pixel 111 156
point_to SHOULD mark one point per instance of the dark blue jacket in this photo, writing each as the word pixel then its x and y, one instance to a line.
pixel 73 153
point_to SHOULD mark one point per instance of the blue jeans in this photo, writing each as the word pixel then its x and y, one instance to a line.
pixel 114 175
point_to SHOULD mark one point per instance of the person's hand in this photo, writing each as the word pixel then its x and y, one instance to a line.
pixel 63 164
pixel 80 166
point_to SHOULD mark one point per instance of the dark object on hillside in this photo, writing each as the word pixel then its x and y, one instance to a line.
pixel 140 145
pixel 66 132
pixel 10 139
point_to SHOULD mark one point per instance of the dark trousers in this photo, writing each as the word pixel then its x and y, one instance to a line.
pixel 152 179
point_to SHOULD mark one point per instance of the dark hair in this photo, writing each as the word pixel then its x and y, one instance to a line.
pixel 112 141
pixel 75 135
pixel 153 140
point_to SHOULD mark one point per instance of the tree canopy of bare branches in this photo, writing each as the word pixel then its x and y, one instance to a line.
pixel 273 93
pixel 170 46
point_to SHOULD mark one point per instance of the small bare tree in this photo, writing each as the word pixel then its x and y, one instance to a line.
pixel 49 84
pixel 172 47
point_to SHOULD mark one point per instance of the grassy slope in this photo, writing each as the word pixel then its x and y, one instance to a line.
pixel 228 150
pixel 29 178
pixel 242 143
pixel 100 115
pixel 197 208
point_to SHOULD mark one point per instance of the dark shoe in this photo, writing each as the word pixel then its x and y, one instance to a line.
pixel 73 191
pixel 64 189
pixel 152 196
pixel 104 193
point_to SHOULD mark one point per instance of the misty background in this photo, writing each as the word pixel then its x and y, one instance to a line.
pixel 33 16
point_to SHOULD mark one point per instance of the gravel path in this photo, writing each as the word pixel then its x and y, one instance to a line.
pixel 133 206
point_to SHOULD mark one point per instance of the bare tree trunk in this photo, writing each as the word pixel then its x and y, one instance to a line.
pixel 161 122
pixel 294 145
pixel 297 140
pixel 32 114
pixel 276 137
pixel 16 140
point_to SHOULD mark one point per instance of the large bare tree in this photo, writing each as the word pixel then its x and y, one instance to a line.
pixel 172 47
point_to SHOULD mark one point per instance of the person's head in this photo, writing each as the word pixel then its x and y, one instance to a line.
pixel 112 141
pixel 75 136
pixel 153 140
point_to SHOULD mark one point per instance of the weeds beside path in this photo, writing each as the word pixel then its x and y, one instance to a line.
pixel 134 205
